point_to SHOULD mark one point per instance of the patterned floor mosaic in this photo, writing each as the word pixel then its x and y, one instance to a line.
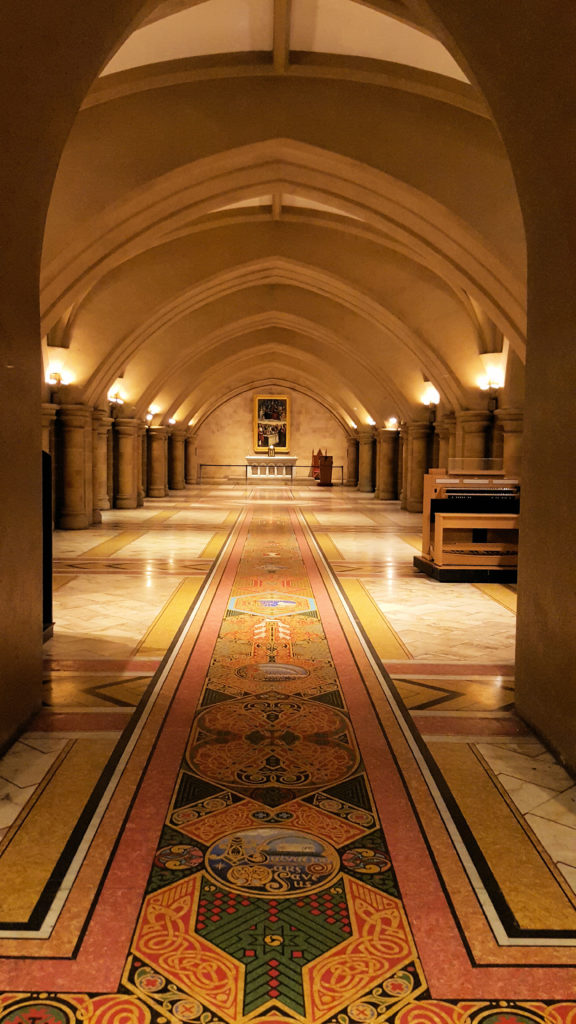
pixel 272 895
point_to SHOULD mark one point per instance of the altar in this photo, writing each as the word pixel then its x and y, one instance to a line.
pixel 262 466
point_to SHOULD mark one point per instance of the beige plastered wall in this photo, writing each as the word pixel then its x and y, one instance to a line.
pixel 226 436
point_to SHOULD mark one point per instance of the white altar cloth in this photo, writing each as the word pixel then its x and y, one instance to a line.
pixel 270 466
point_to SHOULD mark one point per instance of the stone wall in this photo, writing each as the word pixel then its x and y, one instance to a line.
pixel 226 436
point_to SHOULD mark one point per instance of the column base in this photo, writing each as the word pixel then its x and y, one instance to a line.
pixel 96 516
pixel 74 521
pixel 414 506
pixel 157 492
pixel 126 503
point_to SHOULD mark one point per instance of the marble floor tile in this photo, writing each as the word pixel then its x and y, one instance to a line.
pixel 12 799
pixel 525 795
pixel 548 774
pixel 558 840
pixel 24 766
pixel 561 809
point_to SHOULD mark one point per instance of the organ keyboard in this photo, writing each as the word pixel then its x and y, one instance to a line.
pixel 470 526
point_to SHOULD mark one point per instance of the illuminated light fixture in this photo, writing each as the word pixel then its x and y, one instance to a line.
pixel 172 420
pixel 391 423
pixel 430 396
pixel 115 394
pixel 149 416
pixel 191 422
pixel 56 375
pixel 353 425
pixel 370 421
pixel 494 376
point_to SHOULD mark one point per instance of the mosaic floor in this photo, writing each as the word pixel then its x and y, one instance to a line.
pixel 278 778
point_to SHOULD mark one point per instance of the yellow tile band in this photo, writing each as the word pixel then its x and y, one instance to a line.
pixel 386 642
pixel 328 547
pixel 525 878
pixel 125 537
pixel 161 633
pixel 499 593
pixel 41 834
pixel 413 539
pixel 59 580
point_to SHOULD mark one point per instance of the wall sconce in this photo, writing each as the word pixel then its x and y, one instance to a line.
pixel 430 397
pixel 353 425
pixel 391 423
pixel 370 421
pixel 494 376
pixel 172 421
pixel 57 376
pixel 115 394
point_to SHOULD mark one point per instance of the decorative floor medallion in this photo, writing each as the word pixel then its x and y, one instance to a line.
pixel 271 895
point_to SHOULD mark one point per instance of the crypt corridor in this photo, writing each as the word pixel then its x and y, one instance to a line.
pixel 265 770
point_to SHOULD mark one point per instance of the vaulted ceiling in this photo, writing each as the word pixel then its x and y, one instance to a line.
pixel 307 192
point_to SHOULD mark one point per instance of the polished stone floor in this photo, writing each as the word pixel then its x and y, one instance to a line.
pixel 135 594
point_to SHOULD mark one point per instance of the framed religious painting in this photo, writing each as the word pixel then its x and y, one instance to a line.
pixel 271 423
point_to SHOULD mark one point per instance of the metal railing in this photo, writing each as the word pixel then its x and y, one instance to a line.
pixel 288 473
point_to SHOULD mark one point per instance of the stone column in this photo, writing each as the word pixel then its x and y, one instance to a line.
pixel 74 470
pixel 190 457
pixel 142 459
pixel 126 462
pixel 176 459
pixel 366 459
pixel 418 441
pixel 386 463
pixel 101 423
pixel 445 428
pixel 473 426
pixel 49 413
pixel 404 457
pixel 157 438
pixel 512 423
pixel 351 461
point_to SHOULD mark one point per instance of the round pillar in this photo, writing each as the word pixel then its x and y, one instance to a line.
pixel 100 428
pixel 445 428
pixel 126 462
pixel 351 462
pixel 157 444
pixel 404 455
pixel 176 459
pixel 74 483
pixel 366 459
pixel 141 461
pixel 49 413
pixel 386 461
pixel 418 441
pixel 512 423
pixel 191 471
pixel 473 426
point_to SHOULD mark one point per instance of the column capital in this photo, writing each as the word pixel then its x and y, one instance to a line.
pixel 445 425
pixel 386 436
pixel 473 421
pixel 366 434
pixel 49 413
pixel 157 433
pixel 178 431
pixel 75 414
pixel 101 421
pixel 419 428
pixel 512 420
pixel 126 425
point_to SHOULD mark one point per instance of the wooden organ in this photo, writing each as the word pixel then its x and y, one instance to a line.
pixel 470 526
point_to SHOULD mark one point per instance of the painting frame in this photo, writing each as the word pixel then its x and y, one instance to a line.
pixel 271 419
